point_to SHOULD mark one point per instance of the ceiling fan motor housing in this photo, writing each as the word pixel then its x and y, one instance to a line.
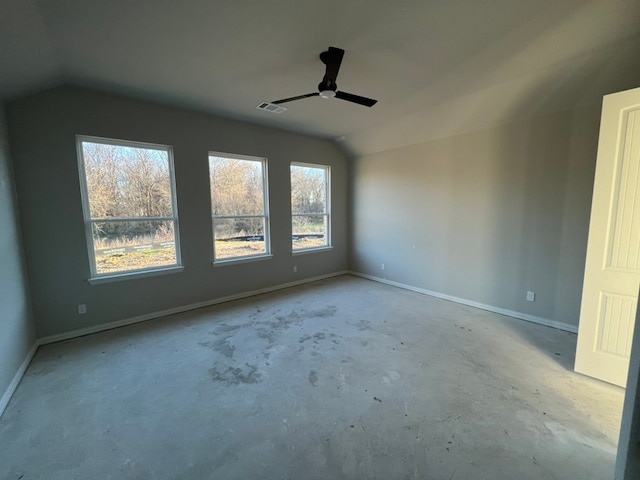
pixel 327 90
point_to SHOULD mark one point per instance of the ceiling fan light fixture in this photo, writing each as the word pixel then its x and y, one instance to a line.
pixel 328 93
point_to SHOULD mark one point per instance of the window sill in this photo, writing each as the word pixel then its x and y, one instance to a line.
pixel 134 275
pixel 234 261
pixel 311 250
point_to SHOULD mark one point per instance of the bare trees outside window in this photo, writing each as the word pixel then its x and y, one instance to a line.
pixel 129 205
pixel 239 206
pixel 310 206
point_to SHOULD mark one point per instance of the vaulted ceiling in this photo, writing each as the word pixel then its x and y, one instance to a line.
pixel 437 67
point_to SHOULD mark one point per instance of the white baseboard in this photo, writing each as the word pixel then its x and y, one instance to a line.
pixel 8 393
pixel 6 396
pixel 502 311
pixel 163 313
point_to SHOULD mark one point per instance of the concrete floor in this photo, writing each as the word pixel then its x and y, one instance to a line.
pixel 339 379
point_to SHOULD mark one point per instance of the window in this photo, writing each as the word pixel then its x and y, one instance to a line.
pixel 128 199
pixel 310 206
pixel 239 206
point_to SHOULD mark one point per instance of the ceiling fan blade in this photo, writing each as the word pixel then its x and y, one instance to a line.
pixel 332 58
pixel 350 97
pixel 299 97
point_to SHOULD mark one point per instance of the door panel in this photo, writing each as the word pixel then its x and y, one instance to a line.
pixel 624 242
pixel 615 324
pixel 612 269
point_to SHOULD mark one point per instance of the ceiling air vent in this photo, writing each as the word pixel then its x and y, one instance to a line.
pixel 271 107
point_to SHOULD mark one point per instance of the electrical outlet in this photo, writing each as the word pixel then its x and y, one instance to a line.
pixel 382 267
pixel 531 296
pixel 295 269
pixel 82 309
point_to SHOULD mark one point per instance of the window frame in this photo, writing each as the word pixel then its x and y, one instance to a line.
pixel 327 209
pixel 96 277
pixel 266 216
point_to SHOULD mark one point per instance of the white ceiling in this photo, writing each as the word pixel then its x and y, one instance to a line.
pixel 437 67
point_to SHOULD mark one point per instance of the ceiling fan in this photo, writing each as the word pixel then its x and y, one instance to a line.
pixel 328 88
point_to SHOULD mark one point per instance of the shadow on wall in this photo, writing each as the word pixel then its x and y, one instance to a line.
pixel 528 203
pixel 554 162
pixel 546 172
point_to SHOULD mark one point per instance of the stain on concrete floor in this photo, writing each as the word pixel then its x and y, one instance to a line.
pixel 236 375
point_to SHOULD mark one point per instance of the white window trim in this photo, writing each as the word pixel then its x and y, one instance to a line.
pixel 96 277
pixel 304 251
pixel 327 211
pixel 134 274
pixel 244 259
pixel 266 214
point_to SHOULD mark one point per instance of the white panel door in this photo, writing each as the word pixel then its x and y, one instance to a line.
pixel 612 270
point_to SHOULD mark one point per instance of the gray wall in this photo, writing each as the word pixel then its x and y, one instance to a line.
pixel 42 132
pixel 17 333
pixel 483 216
